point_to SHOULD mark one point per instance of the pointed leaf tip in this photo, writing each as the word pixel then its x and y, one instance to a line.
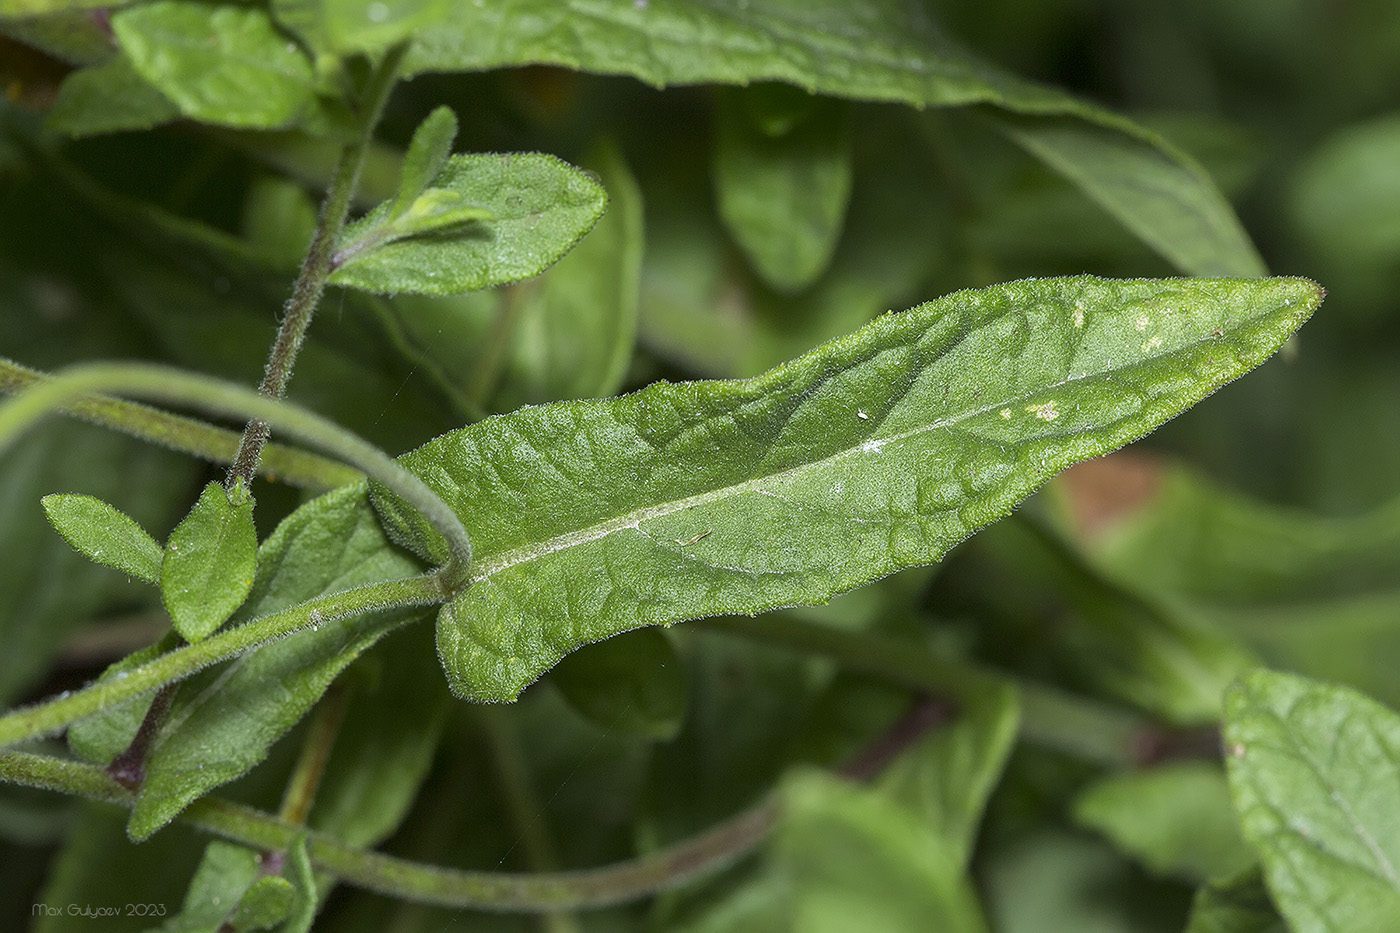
pixel 431 145
pixel 105 535
pixel 209 561
pixel 877 451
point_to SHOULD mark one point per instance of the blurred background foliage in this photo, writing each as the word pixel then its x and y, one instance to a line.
pixel 1263 525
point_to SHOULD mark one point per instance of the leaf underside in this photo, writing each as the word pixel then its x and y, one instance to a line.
pixel 875 452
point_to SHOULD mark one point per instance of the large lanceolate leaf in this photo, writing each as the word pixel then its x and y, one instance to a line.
pixel 1315 774
pixel 879 50
pixel 877 451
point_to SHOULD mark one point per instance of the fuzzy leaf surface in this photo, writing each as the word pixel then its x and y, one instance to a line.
pixel 1315 774
pixel 540 205
pixel 877 451
pixel 224 65
pixel 225 720
pixel 209 562
pixel 429 149
pixel 105 535
pixel 885 50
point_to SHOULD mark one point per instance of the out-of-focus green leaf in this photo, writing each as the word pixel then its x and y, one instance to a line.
pixel 1311 593
pixel 1105 636
pixel 346 26
pixel 1158 193
pixel 152 877
pixel 266 903
pixel 878 451
pixel 1239 905
pixel 1199 540
pixel 279 220
pixel 385 745
pixel 577 324
pixel 1176 819
pixel 947 778
pixel 209 561
pixel 302 912
pixel 49 589
pixel 540 207
pixel 1315 774
pixel 783 195
pixel 224 874
pixel 747 705
pixel 48 7
pixel 700 309
pixel 1054 882
pixel 858 861
pixel 25 8
pixel 762 905
pixel 1346 199
pixel 107 98
pixel 105 535
pixel 631 682
pixel 219 64
pixel 886 50
pixel 224 721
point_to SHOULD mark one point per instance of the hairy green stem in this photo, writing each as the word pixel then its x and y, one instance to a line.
pixel 291 466
pixel 222 398
pixel 400 878
pixel 317 267
pixel 34 721
pixel 1050 718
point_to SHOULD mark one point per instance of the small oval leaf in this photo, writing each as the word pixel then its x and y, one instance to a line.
pixel 209 562
pixel 540 207
pixel 105 535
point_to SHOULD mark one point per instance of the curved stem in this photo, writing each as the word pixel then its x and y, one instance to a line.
pixel 222 398
pixel 400 878
pixel 291 466
pixel 33 721
pixel 317 267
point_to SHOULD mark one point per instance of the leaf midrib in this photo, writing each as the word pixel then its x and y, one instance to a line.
pixel 487 567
